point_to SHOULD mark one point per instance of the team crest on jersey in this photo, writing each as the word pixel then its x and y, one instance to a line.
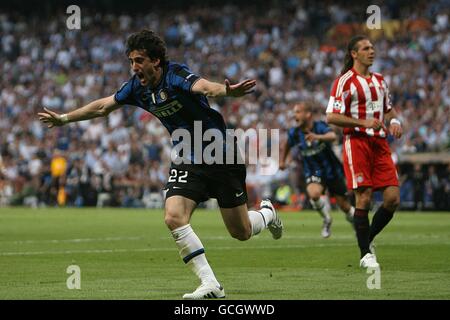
pixel 163 95
pixel 359 178
pixel 337 105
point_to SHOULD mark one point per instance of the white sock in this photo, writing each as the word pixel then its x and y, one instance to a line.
pixel 267 214
pixel 259 220
pixel 193 254
pixel 321 207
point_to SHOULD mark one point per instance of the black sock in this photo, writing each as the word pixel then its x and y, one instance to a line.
pixel 361 221
pixel 380 219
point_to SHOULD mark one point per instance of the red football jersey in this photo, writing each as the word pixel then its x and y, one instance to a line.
pixel 359 97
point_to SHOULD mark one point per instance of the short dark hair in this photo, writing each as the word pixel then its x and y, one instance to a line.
pixel 306 105
pixel 147 40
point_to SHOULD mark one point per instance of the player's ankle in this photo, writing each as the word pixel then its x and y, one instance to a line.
pixel 210 280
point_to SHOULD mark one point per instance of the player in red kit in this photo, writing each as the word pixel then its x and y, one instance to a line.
pixel 360 103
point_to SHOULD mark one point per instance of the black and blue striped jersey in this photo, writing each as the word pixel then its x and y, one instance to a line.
pixel 173 102
pixel 318 157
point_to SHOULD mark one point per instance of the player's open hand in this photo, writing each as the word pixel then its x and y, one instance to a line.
pixel 240 89
pixel 51 118
pixel 396 130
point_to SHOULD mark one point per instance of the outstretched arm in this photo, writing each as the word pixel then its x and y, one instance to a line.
pixel 326 137
pixel 214 89
pixel 97 108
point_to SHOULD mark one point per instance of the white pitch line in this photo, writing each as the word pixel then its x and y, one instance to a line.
pixel 72 240
pixel 82 240
pixel 31 253
pixel 305 237
pixel 224 237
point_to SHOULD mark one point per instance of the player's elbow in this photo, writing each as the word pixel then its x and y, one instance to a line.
pixel 104 111
pixel 99 112
pixel 105 106
pixel 331 118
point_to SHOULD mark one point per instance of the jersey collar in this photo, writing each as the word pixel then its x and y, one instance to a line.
pixel 358 74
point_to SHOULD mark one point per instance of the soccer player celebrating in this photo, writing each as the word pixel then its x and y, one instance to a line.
pixel 360 103
pixel 322 169
pixel 178 98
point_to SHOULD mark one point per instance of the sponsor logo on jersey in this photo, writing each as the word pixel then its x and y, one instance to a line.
pixel 314 150
pixel 168 109
pixel 374 106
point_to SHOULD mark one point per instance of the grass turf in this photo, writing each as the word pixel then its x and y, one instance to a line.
pixel 129 254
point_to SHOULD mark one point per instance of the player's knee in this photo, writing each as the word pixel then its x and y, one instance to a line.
pixel 392 203
pixel 242 234
pixel 364 203
pixel 314 191
pixel 173 220
pixel 364 199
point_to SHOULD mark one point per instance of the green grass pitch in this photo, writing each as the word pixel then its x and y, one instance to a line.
pixel 129 254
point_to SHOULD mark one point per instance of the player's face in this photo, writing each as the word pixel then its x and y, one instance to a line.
pixel 301 115
pixel 365 53
pixel 145 68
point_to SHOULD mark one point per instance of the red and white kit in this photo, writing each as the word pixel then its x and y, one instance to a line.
pixel 367 157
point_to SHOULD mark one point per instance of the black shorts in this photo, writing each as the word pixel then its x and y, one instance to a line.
pixel 335 186
pixel 199 182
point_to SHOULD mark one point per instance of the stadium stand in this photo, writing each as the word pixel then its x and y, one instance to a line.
pixel 293 48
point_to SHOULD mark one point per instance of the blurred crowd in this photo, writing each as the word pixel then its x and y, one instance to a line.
pixel 294 50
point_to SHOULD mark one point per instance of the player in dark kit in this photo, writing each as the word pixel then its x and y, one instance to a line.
pixel 178 98
pixel 321 168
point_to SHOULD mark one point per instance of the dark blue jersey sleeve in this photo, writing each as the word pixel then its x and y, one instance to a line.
pixel 125 95
pixel 182 78
pixel 322 127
